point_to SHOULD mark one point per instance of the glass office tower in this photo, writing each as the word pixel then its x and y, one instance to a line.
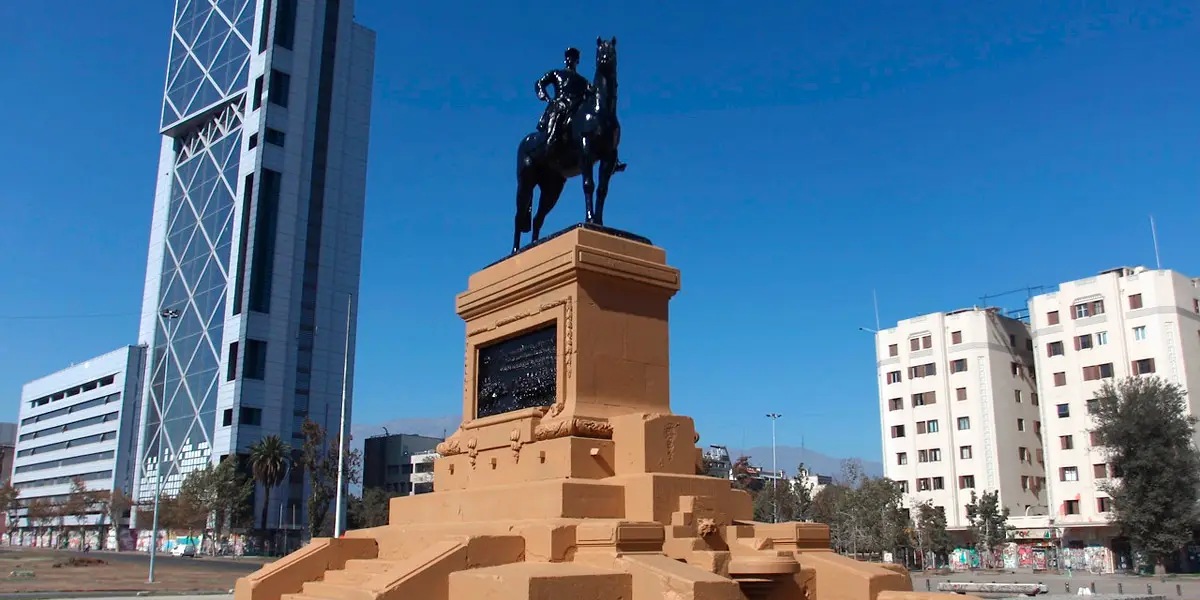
pixel 256 237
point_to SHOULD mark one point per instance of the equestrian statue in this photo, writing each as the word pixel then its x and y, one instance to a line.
pixel 578 129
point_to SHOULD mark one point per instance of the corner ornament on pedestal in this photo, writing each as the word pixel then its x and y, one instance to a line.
pixel 578 129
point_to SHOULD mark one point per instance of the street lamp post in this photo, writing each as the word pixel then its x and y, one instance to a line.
pixel 341 482
pixel 172 316
pixel 774 467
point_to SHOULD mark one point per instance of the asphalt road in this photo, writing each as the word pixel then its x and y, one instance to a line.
pixel 142 559
pixel 1172 587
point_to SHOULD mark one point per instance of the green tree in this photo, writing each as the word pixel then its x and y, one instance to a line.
pixel 269 461
pixel 864 513
pixel 319 458
pixel 932 539
pixel 988 525
pixel 369 510
pixel 744 476
pixel 112 506
pixel 794 497
pixel 1144 427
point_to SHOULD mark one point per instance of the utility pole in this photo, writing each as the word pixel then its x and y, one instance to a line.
pixel 172 317
pixel 774 467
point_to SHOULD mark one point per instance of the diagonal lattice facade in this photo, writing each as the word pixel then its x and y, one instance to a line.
pixel 210 55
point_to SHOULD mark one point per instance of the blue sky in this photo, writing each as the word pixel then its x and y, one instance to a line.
pixel 790 157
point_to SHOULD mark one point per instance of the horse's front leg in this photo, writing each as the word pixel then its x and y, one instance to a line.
pixel 608 166
pixel 586 163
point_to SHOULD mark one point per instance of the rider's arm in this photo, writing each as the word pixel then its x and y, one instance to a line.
pixel 546 80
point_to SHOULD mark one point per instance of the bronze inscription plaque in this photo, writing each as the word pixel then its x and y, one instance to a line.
pixel 518 372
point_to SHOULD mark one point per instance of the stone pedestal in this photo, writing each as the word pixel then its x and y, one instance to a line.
pixel 569 475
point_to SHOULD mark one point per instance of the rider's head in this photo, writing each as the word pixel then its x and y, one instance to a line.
pixel 571 57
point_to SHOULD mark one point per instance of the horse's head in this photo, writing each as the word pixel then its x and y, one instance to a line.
pixel 606 54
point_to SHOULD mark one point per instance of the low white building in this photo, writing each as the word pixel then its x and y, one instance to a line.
pixel 79 423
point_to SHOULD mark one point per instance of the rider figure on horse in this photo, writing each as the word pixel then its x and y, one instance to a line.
pixel 570 89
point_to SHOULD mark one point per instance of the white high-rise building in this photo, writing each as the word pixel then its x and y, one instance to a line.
pixel 1122 322
pixel 256 235
pixel 959 411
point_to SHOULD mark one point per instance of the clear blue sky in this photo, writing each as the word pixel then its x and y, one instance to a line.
pixel 790 157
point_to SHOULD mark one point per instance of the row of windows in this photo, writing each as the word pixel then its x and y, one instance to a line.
pixel 1092 308
pixel 964 423
pixel 285 25
pixel 255 362
pixel 33 435
pixel 1103 505
pixel 94 402
pixel 925 342
pixel 93 476
pixel 1141 366
pixel 65 462
pixel 958 365
pixel 246 416
pixel 965 453
pixel 1099 471
pixel 75 443
pixel 73 391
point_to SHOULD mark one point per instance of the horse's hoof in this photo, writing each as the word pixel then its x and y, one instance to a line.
pixel 620 168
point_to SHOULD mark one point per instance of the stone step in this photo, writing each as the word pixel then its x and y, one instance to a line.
pixel 369 565
pixel 329 590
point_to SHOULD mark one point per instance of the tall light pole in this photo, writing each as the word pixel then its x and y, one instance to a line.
pixel 341 484
pixel 774 467
pixel 172 317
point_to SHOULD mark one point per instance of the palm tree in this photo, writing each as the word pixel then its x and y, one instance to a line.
pixel 269 461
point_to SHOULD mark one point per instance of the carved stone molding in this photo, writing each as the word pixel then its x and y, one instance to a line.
pixel 573 427
pixel 543 307
pixel 451 446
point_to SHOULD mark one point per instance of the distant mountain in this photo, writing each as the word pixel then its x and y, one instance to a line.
pixel 790 457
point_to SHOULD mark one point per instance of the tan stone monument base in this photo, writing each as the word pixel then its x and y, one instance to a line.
pixel 569 477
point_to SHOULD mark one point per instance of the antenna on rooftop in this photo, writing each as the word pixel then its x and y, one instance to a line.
pixel 1154 236
pixel 875 299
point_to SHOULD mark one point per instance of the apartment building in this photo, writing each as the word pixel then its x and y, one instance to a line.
pixel 1122 322
pixel 79 423
pixel 399 463
pixel 960 411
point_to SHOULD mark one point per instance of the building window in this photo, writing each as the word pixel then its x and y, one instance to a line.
pixel 1025 483
pixel 1041 456
pixel 274 137
pixel 1103 504
pixel 1060 379
pixel 1101 338
pixel 893 377
pixel 966 482
pixel 1054 349
pixel 1029 344
pixel 255 366
pixel 1196 305
pixel 1092 406
pixel 1052 317
pixel 1017 369
pixel 253 142
pixel 930 426
pixel 902 458
pixel 1033 398
pixel 914 344
pixel 958 366
pixel 250 416
pixel 227 418
pixel 1068 474
pixel 1017 395
pixel 961 393
pixel 964 452
pixel 1135 301
pixel 231 369
pixel 897 431
pixel 1071 507
pixel 1067 442
pixel 935 455
pixel 1037 428
pixel 1083 342
pixel 955 337
pixel 1095 372
pixel 1139 333
pixel 927 342
pixel 1093 439
pixel 1064 410
pixel 896 404
pixel 1023 454
pixel 1143 366
pixel 1012 340
pixel 256 103
pixel 939 483
pixel 1087 309
pixel 279 87
pixel 922 456
pixel 923 398
pixel 263 263
pixel 923 484
pixel 285 24
pixel 1020 424
pixel 926 370
pixel 964 423
pixel 904 486
pixel 893 349
pixel 1100 471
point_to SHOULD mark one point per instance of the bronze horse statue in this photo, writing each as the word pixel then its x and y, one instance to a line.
pixel 592 135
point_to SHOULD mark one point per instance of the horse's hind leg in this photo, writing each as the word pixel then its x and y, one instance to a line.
pixel 524 208
pixel 551 189
pixel 608 166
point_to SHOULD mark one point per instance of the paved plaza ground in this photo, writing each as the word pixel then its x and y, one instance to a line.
pixel 123 572
pixel 1187 587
